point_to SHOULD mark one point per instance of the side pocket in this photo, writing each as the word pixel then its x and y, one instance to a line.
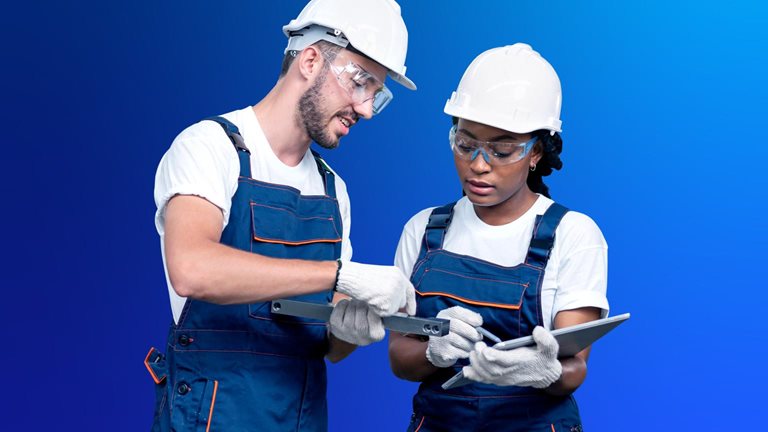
pixel 194 402
pixel 207 406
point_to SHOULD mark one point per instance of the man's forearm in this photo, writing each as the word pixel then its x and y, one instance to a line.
pixel 200 267
pixel 220 274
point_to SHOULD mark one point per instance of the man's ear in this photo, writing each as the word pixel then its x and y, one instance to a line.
pixel 310 62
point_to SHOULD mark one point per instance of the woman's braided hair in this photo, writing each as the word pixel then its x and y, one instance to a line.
pixel 551 146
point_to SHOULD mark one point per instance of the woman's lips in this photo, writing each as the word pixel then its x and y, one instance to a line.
pixel 479 187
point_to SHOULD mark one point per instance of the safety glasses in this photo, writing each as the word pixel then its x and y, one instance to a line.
pixel 494 153
pixel 361 85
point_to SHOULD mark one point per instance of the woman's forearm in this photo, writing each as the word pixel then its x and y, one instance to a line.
pixel 574 373
pixel 407 358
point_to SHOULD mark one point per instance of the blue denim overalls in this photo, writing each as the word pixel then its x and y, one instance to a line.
pixel 238 367
pixel 509 300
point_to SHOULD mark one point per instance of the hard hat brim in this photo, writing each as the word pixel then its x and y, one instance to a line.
pixel 402 80
pixel 520 127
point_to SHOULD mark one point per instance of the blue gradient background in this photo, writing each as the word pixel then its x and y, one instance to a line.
pixel 664 114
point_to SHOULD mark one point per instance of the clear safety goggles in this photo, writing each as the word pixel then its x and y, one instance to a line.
pixel 494 153
pixel 361 85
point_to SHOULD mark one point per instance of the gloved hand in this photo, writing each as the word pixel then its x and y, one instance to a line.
pixel 354 322
pixel 446 350
pixel 384 288
pixel 536 367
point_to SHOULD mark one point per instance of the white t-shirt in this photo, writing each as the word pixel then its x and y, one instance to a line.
pixel 575 276
pixel 202 161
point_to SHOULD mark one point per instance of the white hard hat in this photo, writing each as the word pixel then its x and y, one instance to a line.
pixel 512 88
pixel 373 27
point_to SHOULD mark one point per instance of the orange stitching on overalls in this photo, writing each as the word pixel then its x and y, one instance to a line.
pixel 420 423
pixel 296 243
pixel 472 302
pixel 278 241
pixel 213 402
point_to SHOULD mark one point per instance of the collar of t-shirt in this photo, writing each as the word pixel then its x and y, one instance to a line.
pixel 466 216
pixel 272 168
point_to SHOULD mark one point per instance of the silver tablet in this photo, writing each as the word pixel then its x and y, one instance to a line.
pixel 571 340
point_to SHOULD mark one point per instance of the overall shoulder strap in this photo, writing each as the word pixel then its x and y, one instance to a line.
pixel 434 234
pixel 329 179
pixel 243 154
pixel 544 235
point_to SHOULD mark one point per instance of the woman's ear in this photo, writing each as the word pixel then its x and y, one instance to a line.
pixel 537 152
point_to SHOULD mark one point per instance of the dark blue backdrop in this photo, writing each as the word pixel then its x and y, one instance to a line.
pixel 664 111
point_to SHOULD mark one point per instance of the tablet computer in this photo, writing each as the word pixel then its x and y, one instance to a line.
pixel 571 340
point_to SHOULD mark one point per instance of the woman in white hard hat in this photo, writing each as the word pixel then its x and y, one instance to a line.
pixel 505 258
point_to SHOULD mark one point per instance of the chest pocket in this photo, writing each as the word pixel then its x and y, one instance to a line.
pixel 289 225
pixel 273 224
pixel 497 298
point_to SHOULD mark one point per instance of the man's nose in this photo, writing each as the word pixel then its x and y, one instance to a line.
pixel 364 109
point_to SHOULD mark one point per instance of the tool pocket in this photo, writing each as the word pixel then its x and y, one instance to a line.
pixel 194 401
pixel 155 364
pixel 158 370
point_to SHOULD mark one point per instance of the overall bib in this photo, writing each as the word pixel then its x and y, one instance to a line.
pixel 238 367
pixel 509 300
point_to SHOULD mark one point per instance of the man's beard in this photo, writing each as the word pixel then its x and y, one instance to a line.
pixel 313 117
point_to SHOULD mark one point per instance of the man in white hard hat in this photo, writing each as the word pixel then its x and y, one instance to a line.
pixel 247 213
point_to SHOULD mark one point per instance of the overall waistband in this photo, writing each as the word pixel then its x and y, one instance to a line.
pixel 475 389
pixel 242 341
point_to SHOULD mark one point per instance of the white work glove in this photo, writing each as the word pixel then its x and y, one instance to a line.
pixel 384 288
pixel 446 350
pixel 354 322
pixel 536 367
